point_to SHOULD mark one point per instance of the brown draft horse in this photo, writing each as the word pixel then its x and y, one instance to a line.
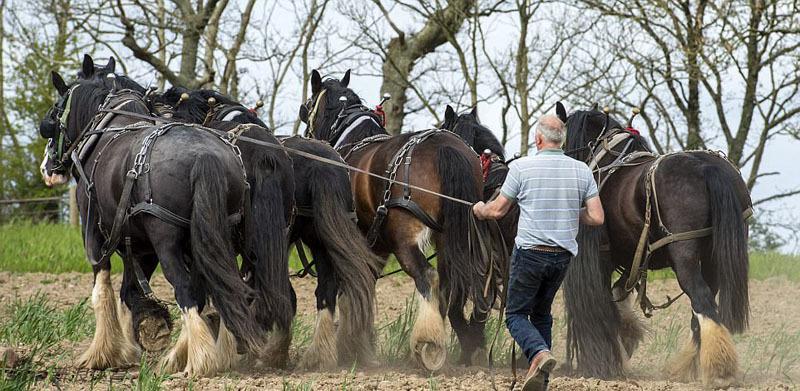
pixel 688 191
pixel 440 162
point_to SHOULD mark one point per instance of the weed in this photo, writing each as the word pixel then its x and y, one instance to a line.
pixel 302 332
pixel 307 385
pixel 37 323
pixel 150 379
pixel 668 340
pixel 395 342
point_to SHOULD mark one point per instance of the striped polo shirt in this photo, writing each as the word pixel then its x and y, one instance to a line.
pixel 550 189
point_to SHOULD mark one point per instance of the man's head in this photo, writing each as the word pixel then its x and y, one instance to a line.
pixel 550 132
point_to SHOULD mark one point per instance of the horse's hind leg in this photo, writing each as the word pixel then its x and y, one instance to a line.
pixel 322 354
pixel 710 352
pixel 109 347
pixel 428 335
pixel 147 322
pixel 196 351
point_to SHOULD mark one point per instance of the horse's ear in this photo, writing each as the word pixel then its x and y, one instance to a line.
pixel 88 66
pixel 58 83
pixel 345 79
pixel 449 114
pixel 303 114
pixel 474 112
pixel 316 82
pixel 111 66
pixel 561 112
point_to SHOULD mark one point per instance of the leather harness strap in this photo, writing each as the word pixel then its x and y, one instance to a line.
pixel 401 157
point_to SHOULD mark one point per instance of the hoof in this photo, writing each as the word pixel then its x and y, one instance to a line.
pixel 154 334
pixel 430 355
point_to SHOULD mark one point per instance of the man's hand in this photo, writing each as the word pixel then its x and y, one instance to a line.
pixel 477 209
pixel 494 210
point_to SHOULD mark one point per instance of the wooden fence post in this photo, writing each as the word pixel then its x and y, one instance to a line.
pixel 73 206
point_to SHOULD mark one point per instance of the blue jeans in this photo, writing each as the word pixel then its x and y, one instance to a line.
pixel 533 282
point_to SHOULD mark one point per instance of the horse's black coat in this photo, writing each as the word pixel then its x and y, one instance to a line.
pixel 695 190
pixel 343 261
pixel 191 173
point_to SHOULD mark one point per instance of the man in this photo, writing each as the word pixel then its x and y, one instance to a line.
pixel 550 189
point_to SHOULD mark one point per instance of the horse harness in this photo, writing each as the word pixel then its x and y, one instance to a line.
pixel 138 175
pixel 401 158
pixel 349 118
pixel 645 247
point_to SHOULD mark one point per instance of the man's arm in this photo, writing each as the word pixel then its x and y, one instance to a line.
pixel 592 213
pixel 494 210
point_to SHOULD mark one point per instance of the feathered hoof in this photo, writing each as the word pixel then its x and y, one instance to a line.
pixel 322 354
pixel 315 360
pixel 275 352
pixel 175 360
pixel 121 356
pixel 718 358
pixel 430 355
pixel 154 334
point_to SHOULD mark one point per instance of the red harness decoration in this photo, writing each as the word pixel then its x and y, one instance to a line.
pixel 382 114
pixel 486 163
pixel 632 131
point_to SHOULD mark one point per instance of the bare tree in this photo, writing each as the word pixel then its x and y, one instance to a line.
pixel 740 55
pixel 189 21
pixel 405 50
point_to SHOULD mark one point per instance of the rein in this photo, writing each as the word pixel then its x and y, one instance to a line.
pixel 295 152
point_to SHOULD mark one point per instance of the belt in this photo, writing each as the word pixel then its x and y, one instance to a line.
pixel 549 249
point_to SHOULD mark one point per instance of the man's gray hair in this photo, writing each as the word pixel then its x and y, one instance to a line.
pixel 552 129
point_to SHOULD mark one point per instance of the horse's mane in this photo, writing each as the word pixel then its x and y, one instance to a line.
pixel 578 125
pixel 89 94
pixel 333 105
pixel 477 136
pixel 196 107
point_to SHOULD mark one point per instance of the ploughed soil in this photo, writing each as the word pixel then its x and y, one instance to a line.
pixel 769 352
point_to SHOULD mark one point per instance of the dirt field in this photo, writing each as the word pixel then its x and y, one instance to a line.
pixel 769 352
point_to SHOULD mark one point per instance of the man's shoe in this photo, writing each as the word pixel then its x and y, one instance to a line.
pixel 541 366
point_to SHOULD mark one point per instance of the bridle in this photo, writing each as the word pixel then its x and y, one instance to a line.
pixel 312 105
pixel 61 156
pixel 60 140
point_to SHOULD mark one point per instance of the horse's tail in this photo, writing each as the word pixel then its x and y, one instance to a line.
pixel 460 268
pixel 593 321
pixel 729 248
pixel 354 264
pixel 212 250
pixel 272 199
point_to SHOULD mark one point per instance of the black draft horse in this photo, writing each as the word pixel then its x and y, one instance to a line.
pixel 481 139
pixel 186 188
pixel 436 160
pixel 324 221
pixel 262 245
pixel 687 192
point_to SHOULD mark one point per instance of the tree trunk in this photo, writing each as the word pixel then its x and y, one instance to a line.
pixel 404 51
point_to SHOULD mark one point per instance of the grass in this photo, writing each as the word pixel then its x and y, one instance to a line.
pixel 58 248
pixel 39 326
pixel 394 344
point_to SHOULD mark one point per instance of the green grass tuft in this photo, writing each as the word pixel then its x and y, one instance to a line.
pixel 37 322
pixel 394 346
pixel 39 326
